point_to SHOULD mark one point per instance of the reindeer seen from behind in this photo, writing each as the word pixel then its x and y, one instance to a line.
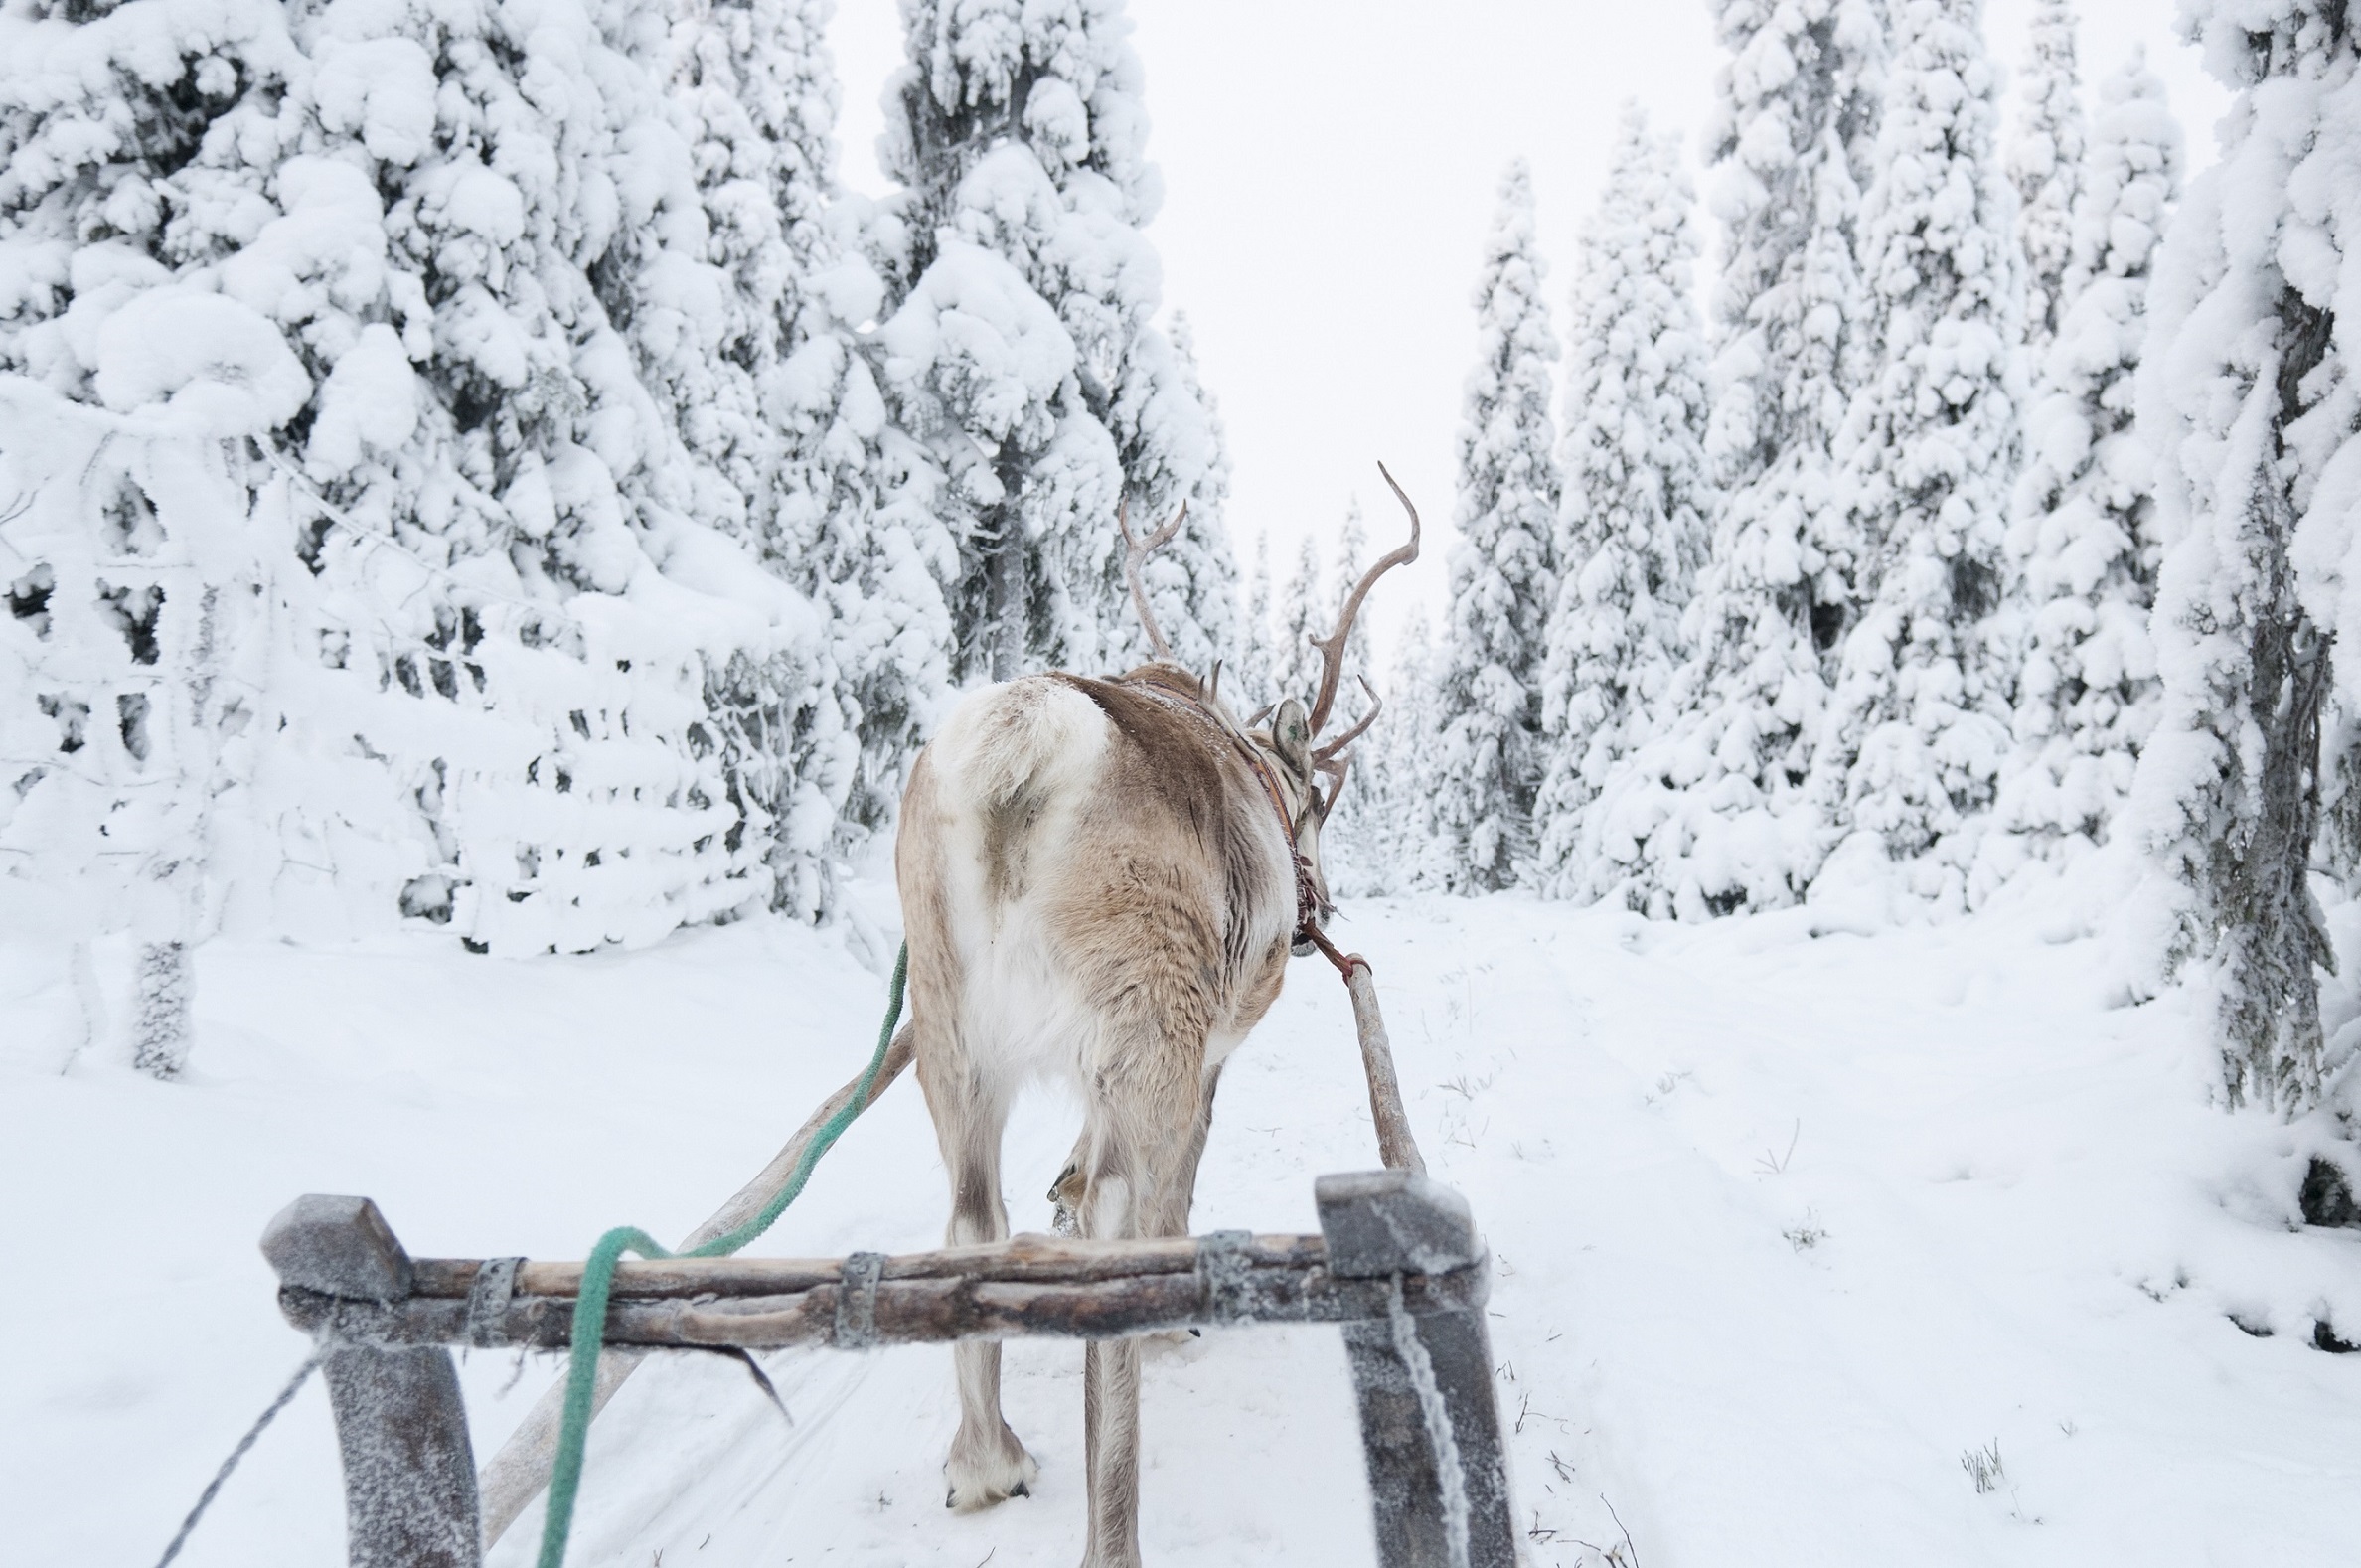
pixel 1102 879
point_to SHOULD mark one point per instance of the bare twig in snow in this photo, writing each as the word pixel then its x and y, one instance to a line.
pixel 1983 1466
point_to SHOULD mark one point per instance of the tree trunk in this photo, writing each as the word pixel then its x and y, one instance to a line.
pixel 163 987
pixel 2273 936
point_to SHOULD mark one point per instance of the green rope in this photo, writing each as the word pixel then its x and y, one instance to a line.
pixel 599 1279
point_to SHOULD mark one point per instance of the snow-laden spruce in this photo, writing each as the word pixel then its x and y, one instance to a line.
pixel 2248 391
pixel 2046 149
pixel 134 147
pixel 1918 717
pixel 355 310
pixel 654 742
pixel 1248 680
pixel 752 119
pixel 1489 764
pixel 857 524
pixel 1349 822
pixel 1714 809
pixel 1296 618
pixel 1383 838
pixel 1019 342
pixel 1353 558
pixel 2081 545
pixel 1632 530
pixel 1178 446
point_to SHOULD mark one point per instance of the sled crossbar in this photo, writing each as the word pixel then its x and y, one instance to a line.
pixel 1397 1266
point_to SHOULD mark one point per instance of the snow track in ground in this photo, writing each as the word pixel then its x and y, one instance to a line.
pixel 1784 1225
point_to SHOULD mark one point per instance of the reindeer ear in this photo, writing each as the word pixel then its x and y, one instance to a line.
pixel 1291 736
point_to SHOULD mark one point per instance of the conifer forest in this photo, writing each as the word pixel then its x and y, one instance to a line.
pixel 1858 832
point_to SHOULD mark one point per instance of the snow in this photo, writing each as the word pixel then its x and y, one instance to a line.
pixel 1789 1212
pixel 219 368
pixel 469 472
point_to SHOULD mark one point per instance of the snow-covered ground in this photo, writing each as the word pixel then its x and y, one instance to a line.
pixel 1788 1218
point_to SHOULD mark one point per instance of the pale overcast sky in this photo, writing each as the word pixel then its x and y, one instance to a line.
pixel 1329 169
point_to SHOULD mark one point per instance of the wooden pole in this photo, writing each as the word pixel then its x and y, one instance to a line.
pixel 1395 1145
pixel 408 1471
pixel 1430 1425
pixel 520 1470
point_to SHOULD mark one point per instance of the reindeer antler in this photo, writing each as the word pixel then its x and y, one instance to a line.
pixel 1330 760
pixel 1331 649
pixel 1135 550
pixel 1333 769
pixel 1329 751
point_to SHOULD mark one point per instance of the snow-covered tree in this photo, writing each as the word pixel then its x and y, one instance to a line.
pixel 752 98
pixel 1022 345
pixel 1632 530
pixel 1500 580
pixel 138 146
pixel 851 514
pixel 1353 558
pixel 1346 822
pixel 1918 720
pixel 544 496
pixel 1383 838
pixel 380 351
pixel 2081 544
pixel 1299 616
pixel 2249 392
pixel 861 527
pixel 1712 816
pixel 1178 449
pixel 1252 685
pixel 2045 164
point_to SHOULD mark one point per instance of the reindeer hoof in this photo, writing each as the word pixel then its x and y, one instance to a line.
pixel 994 1478
pixel 1066 1194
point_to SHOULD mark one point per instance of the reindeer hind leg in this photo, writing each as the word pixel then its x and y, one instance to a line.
pixel 1144 1141
pixel 987 1464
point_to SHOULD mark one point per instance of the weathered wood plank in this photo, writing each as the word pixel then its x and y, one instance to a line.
pixel 906 1310
pixel 341 1245
pixel 400 1423
pixel 409 1468
pixel 1048 1259
pixel 1430 1422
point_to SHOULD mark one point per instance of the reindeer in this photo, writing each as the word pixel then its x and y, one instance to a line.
pixel 1102 879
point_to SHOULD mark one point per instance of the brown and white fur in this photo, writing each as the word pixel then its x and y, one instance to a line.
pixel 1100 883
pixel 1099 891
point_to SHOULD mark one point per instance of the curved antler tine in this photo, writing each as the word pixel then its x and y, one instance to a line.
pixel 1332 649
pixel 1333 769
pixel 1376 702
pixel 1136 550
